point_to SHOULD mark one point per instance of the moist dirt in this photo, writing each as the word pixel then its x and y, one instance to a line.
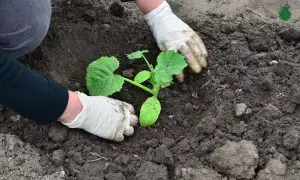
pixel 238 119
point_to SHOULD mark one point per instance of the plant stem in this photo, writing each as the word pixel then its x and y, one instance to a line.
pixel 156 91
pixel 150 67
pixel 139 85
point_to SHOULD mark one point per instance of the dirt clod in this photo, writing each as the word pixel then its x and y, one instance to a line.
pixel 289 107
pixel 77 157
pixel 19 160
pixel 152 171
pixel 291 139
pixel 168 141
pixel 128 73
pixel 205 147
pixel 200 173
pixel 236 159
pixel 163 156
pixel 270 112
pixel 290 34
pixel 239 128
pixel 89 15
pixel 115 176
pixel 275 170
pixel 296 95
pixel 1 118
pixel 207 125
pixel 117 9
pixel 58 157
pixel 58 133
pixel 123 159
pixel 267 83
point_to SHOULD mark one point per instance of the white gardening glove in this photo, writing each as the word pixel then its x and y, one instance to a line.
pixel 105 117
pixel 171 33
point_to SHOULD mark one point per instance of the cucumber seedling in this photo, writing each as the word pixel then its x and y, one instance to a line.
pixel 101 80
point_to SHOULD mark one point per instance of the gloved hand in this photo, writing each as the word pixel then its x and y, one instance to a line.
pixel 105 117
pixel 171 33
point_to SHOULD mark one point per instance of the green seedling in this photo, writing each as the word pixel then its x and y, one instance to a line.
pixel 101 80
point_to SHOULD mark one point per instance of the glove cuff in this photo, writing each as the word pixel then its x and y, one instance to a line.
pixel 160 12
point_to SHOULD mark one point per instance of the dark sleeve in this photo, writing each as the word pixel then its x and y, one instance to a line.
pixel 30 94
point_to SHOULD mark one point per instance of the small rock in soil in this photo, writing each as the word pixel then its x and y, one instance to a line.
pixel 291 139
pixel 163 156
pixel 289 108
pixel 270 112
pixel 296 95
pixel 236 159
pixel 207 125
pixel 128 73
pixel 104 27
pixel 58 133
pixel 115 176
pixel 152 171
pixel 89 15
pixel 15 118
pixel 274 62
pixel 117 9
pixel 242 109
pixel 58 157
pixel 275 170
pixel 197 174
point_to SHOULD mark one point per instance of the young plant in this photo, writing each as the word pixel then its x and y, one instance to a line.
pixel 101 80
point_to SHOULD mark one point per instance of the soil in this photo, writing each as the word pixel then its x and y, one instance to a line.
pixel 246 101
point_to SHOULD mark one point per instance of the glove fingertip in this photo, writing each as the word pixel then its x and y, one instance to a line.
pixel 134 120
pixel 180 77
pixel 203 62
pixel 119 138
pixel 129 131
pixel 129 107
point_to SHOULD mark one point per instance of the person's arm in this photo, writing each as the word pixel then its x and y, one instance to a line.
pixel 171 33
pixel 28 93
pixel 147 6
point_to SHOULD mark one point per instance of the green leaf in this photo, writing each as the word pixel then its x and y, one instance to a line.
pixel 142 76
pixel 164 85
pixel 150 111
pixel 137 54
pixel 169 63
pixel 100 78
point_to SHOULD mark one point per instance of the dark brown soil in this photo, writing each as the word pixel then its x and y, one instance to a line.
pixel 198 116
